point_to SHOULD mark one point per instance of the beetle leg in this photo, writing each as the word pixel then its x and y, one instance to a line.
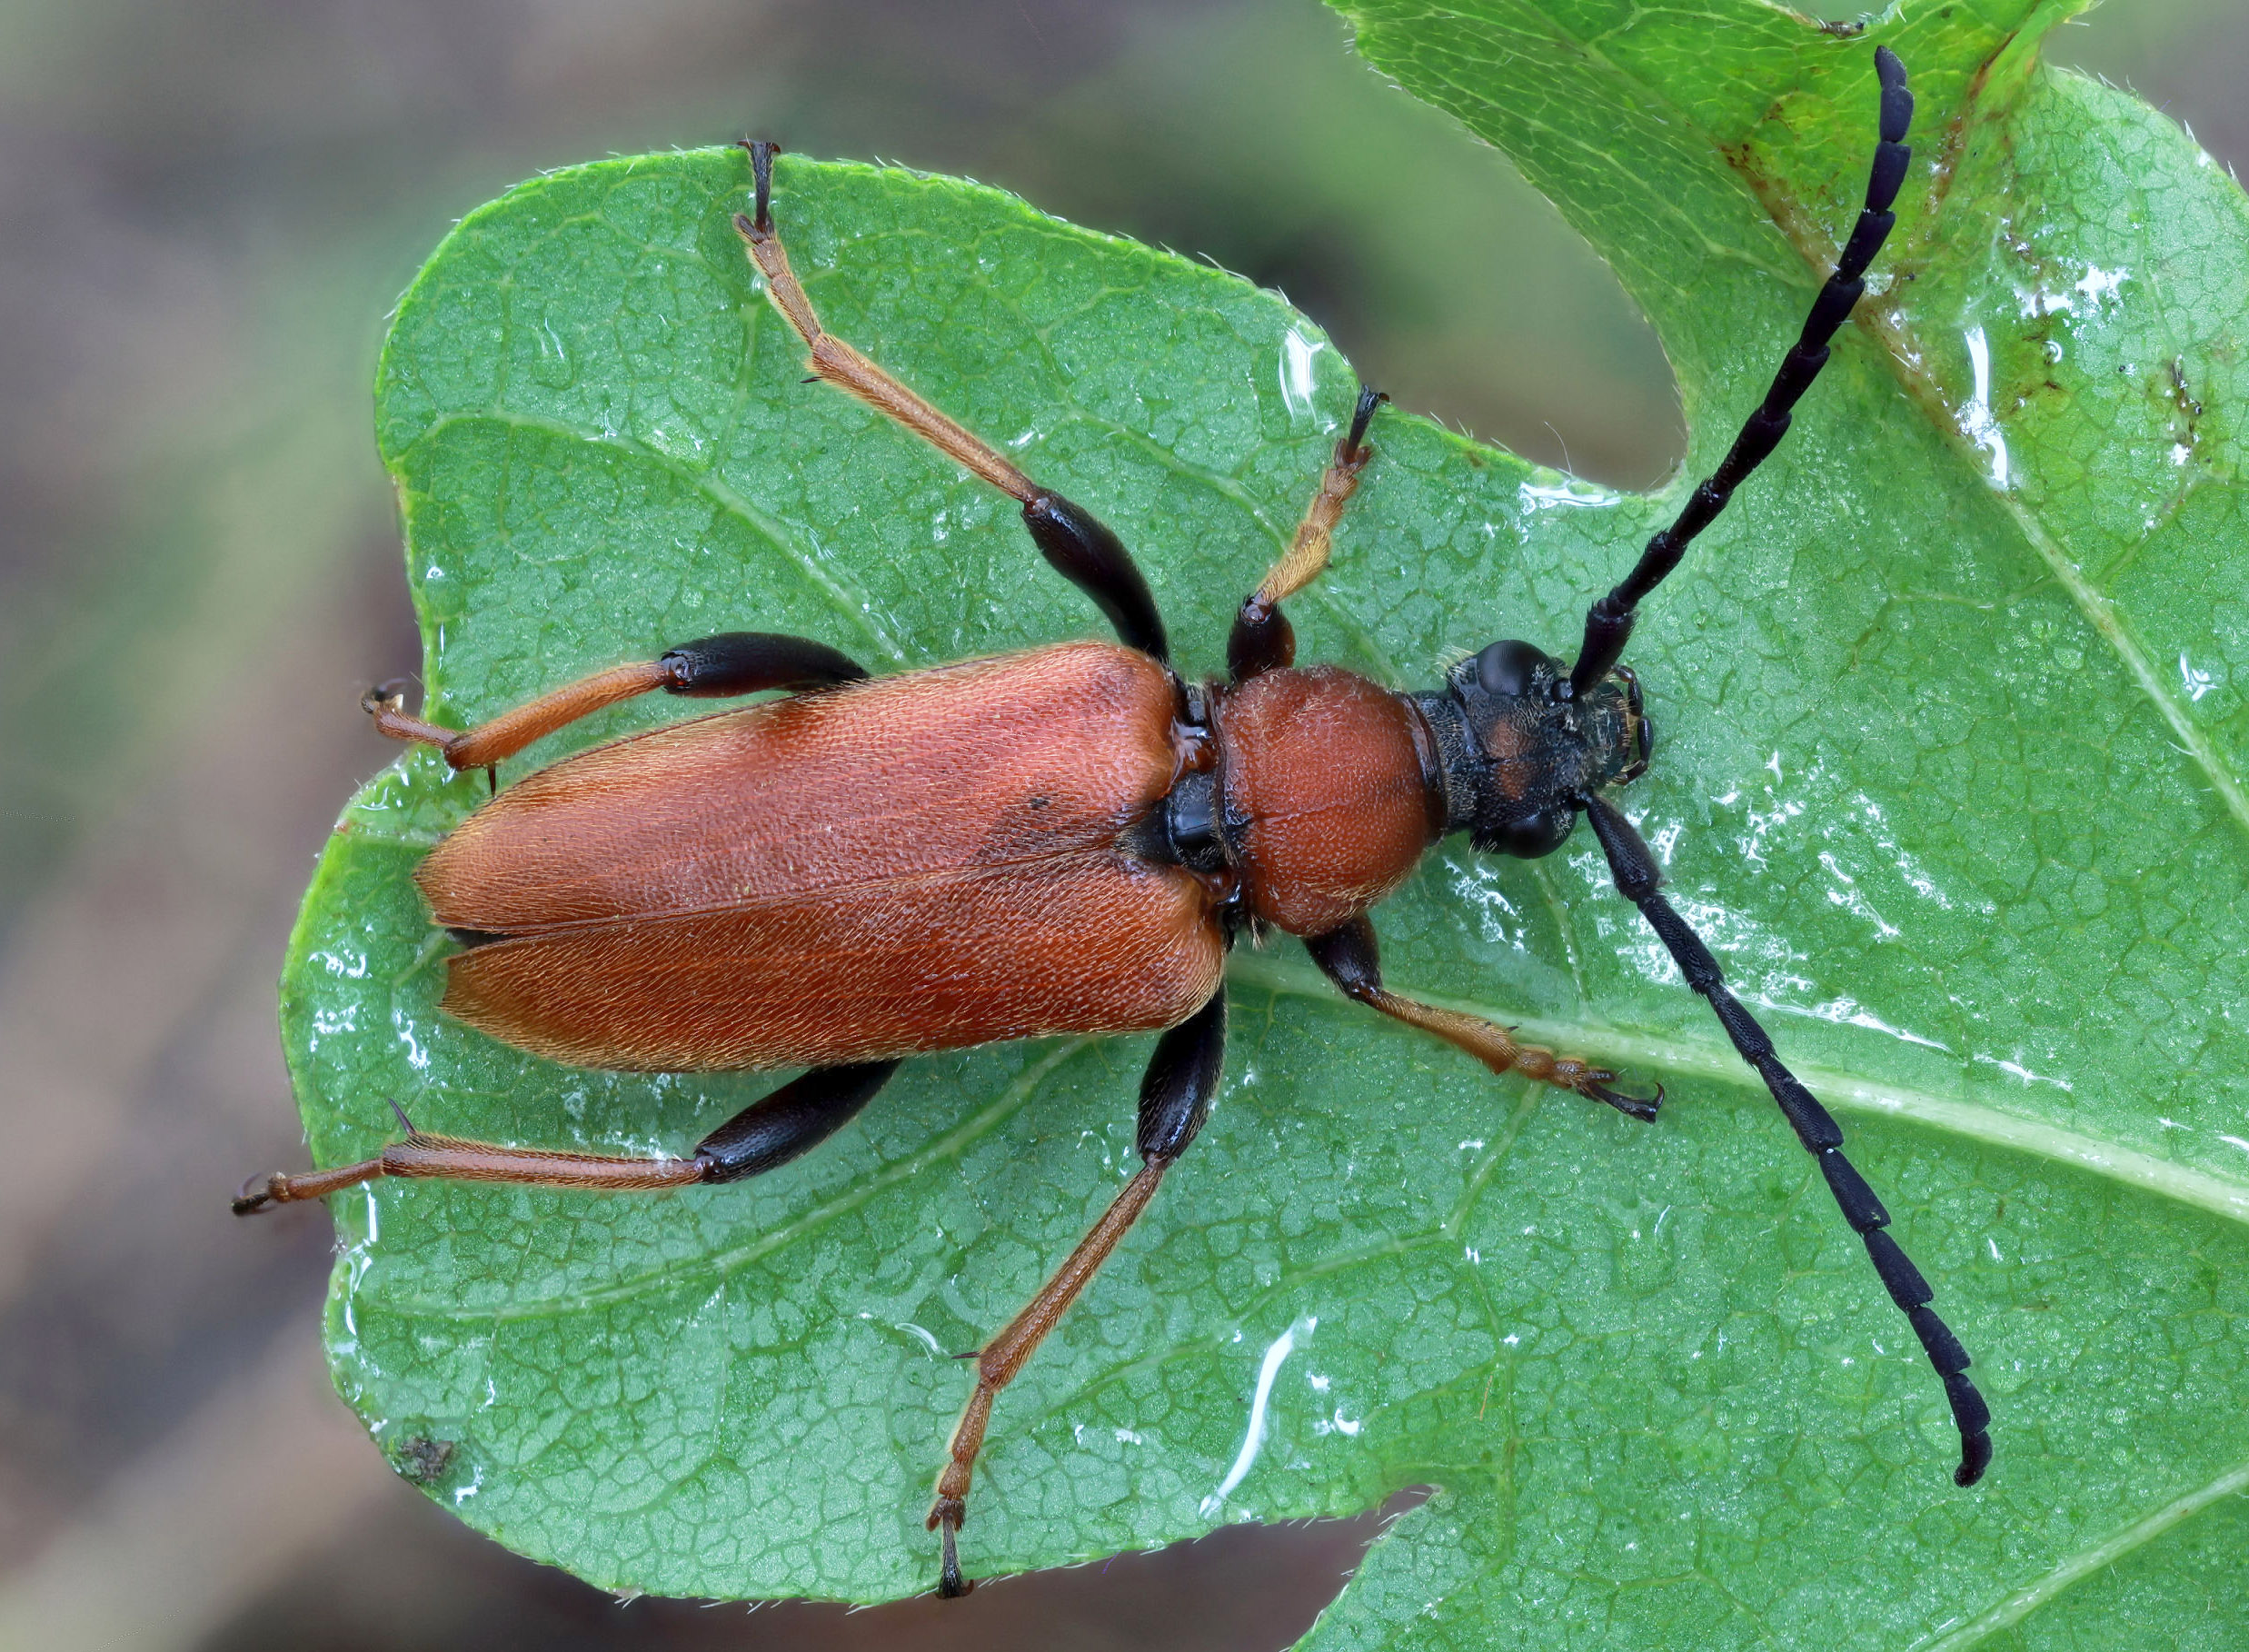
pixel 1080 548
pixel 1261 640
pixel 1633 867
pixel 1176 1093
pixel 770 1132
pixel 732 663
pixel 510 731
pixel 794 1120
pixel 449 1158
pixel 1349 955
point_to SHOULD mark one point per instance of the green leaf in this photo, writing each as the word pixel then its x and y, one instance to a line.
pixel 1950 774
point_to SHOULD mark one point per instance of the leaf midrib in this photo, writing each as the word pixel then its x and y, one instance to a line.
pixel 1696 1058
pixel 1672 1054
pixel 1691 1057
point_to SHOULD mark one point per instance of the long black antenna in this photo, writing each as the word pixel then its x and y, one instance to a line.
pixel 1609 623
pixel 1632 866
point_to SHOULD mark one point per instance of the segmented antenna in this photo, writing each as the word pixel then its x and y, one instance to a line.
pixel 1609 623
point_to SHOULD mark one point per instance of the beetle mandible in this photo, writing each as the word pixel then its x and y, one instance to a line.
pixel 1062 840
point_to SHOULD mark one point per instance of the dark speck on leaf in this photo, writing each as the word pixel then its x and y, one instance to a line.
pixel 421 1459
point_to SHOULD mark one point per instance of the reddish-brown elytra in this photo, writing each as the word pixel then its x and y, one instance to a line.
pixel 1065 841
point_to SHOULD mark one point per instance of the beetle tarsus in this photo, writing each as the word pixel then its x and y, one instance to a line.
pixel 947 1517
pixel 1643 1108
pixel 1352 449
pixel 762 154
pixel 386 703
pixel 390 695
pixel 261 1193
pixel 1261 640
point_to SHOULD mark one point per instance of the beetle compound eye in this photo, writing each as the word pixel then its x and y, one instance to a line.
pixel 1533 835
pixel 1508 668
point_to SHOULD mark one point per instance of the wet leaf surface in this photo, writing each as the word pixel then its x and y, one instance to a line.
pixel 1953 729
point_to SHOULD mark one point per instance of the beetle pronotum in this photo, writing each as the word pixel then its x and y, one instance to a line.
pixel 1064 840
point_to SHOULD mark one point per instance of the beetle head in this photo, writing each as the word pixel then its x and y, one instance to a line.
pixel 1518 752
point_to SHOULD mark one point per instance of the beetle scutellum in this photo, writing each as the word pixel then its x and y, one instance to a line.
pixel 1064 840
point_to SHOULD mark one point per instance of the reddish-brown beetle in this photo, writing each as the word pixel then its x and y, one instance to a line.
pixel 1065 841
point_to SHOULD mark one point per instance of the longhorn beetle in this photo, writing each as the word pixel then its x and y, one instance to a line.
pixel 1063 841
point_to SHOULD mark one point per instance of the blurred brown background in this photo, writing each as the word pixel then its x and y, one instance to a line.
pixel 206 208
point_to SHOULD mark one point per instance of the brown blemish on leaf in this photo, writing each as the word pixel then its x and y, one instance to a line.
pixel 422 1460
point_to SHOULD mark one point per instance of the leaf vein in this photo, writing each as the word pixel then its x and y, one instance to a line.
pixel 852 603
pixel 2022 1602
pixel 1971 1120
